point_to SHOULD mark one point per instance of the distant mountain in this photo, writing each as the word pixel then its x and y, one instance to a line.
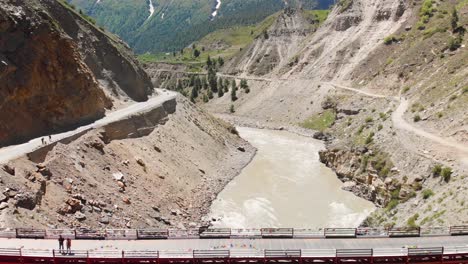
pixel 169 25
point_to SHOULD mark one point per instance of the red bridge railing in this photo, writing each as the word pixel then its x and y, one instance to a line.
pixel 214 233
pixel 393 255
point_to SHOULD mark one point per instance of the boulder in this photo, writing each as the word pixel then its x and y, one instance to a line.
pixel 126 200
pixel 9 169
pixel 3 197
pixel 3 205
pixel 241 149
pixel 26 201
pixel 118 176
pixel 104 220
pixel 75 205
pixel 141 162
pixel 97 145
pixel 80 216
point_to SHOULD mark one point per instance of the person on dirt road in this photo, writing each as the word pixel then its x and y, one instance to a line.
pixel 60 240
pixel 68 246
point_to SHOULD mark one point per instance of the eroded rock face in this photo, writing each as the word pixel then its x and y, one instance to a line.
pixel 45 85
pixel 110 59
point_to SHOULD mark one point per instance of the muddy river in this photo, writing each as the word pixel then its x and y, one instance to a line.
pixel 285 185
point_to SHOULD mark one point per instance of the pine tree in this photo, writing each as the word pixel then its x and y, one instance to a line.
pixel 220 84
pixel 220 62
pixel 226 85
pixel 220 92
pixel 243 84
pixel 210 94
pixel 231 109
pixel 209 63
pixel 179 87
pixel 233 91
pixel 197 83
pixel 192 81
pixel 454 20
pixel 212 80
pixel 194 94
pixel 204 83
pixel 196 53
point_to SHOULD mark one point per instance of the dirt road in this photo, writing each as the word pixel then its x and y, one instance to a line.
pixel 12 152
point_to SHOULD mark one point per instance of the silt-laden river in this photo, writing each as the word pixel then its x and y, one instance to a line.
pixel 286 185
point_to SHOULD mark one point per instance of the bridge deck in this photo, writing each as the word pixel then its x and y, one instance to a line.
pixel 259 244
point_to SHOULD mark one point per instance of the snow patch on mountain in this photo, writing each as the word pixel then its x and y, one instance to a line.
pixel 215 12
pixel 151 9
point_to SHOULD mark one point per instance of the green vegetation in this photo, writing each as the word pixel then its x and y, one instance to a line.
pixel 370 138
pixel 454 20
pixel 437 170
pixel 233 91
pixel 233 40
pixel 446 174
pixel 345 5
pixel 427 193
pixel 231 109
pixel 391 205
pixel 321 121
pixel 425 13
pixel 393 39
pixel 412 221
pixel 316 17
pixel 417 118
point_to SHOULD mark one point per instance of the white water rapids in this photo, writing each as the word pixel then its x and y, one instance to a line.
pixel 286 185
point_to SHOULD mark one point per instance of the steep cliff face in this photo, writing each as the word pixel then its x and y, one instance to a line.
pixel 109 58
pixel 45 84
pixel 277 47
pixel 58 70
pixel 349 35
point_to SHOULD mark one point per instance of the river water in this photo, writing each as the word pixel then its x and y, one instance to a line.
pixel 286 185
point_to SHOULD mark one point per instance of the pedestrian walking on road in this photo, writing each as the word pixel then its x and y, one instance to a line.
pixel 68 245
pixel 60 240
pixel 50 138
pixel 43 141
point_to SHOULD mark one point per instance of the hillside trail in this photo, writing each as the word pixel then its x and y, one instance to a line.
pixel 12 152
pixel 456 149
pixel 400 123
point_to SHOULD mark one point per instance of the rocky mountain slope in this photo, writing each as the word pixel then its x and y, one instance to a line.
pixel 383 82
pixel 125 174
pixel 176 24
pixel 145 170
pixel 59 71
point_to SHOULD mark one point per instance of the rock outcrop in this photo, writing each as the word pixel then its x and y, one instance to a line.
pixel 45 84
pixel 59 71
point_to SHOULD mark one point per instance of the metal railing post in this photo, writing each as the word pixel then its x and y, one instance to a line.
pixel 21 256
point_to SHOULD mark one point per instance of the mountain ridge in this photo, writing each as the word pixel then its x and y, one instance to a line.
pixel 176 24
